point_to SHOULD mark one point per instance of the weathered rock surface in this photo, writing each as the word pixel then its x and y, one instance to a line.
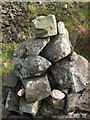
pixel 34 66
pixel 62 72
pixel 10 80
pixel 34 47
pixel 21 92
pixel 37 88
pixel 55 103
pixel 12 102
pixel 78 102
pixel 25 107
pixel 58 48
pixel 45 26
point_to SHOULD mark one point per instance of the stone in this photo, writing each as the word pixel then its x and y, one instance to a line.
pixel 67 73
pixel 57 94
pixel 20 51
pixel 56 103
pixel 35 46
pixel 37 88
pixel 10 80
pixel 45 26
pixel 73 56
pixel 31 108
pixel 58 48
pixel 47 110
pixel 34 66
pixel 73 38
pixel 78 102
pixel 21 92
pixel 17 65
pixel 12 102
pixel 62 30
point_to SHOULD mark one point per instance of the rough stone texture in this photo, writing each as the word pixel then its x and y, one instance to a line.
pixel 47 110
pixel 34 47
pixel 34 66
pixel 45 26
pixel 55 103
pixel 20 51
pixel 62 72
pixel 58 48
pixel 37 88
pixel 25 107
pixel 10 80
pixel 78 101
pixel 12 102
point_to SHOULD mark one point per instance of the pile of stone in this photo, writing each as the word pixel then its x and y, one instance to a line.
pixel 49 78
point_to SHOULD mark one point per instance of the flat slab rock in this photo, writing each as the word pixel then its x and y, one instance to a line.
pixel 31 66
pixel 45 26
pixel 71 73
pixel 58 48
pixel 25 107
pixel 10 80
pixel 37 88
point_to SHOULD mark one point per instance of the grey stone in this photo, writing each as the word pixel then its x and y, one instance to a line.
pixel 67 73
pixel 34 47
pixel 25 107
pixel 55 103
pixel 47 110
pixel 20 51
pixel 37 88
pixel 78 102
pixel 10 80
pixel 17 65
pixel 58 48
pixel 34 66
pixel 45 26
pixel 12 102
pixel 73 38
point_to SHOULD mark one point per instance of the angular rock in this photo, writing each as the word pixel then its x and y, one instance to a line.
pixel 21 92
pixel 12 102
pixel 78 102
pixel 73 37
pixel 10 80
pixel 58 48
pixel 20 51
pixel 45 26
pixel 25 107
pixel 62 72
pixel 57 94
pixel 55 103
pixel 34 47
pixel 47 110
pixel 37 88
pixel 18 65
pixel 34 66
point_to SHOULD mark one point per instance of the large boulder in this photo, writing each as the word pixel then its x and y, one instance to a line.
pixel 45 26
pixel 31 66
pixel 71 73
pixel 37 88
pixel 58 48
